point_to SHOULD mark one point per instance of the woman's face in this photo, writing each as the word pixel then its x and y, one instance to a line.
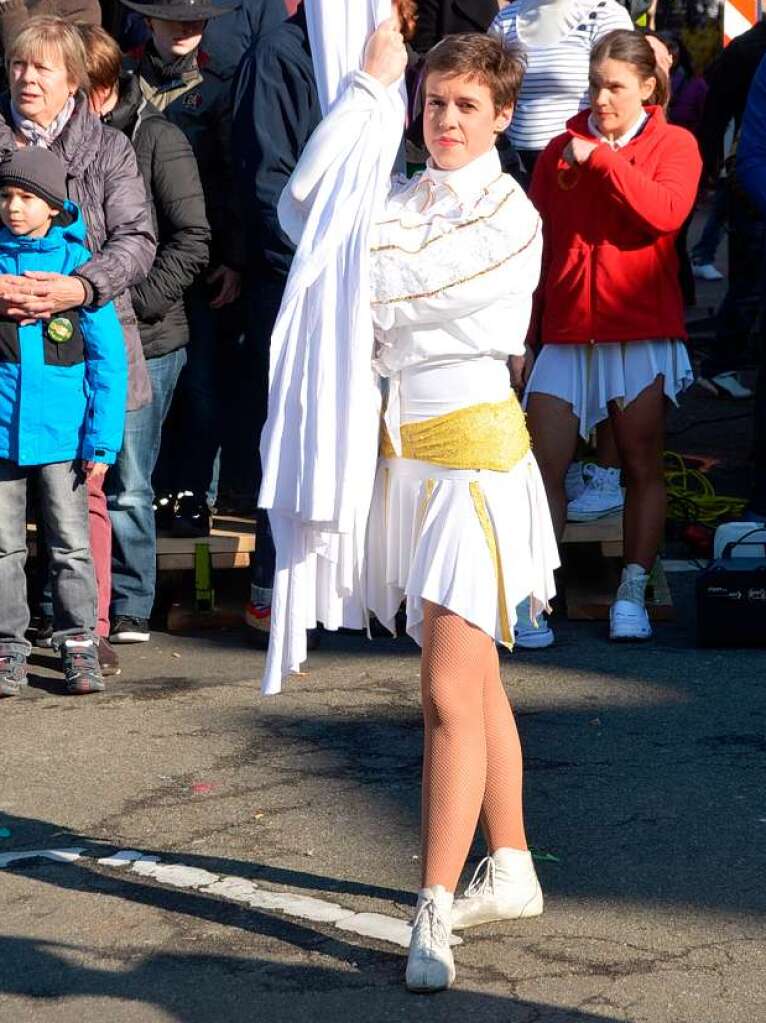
pixel 460 122
pixel 617 95
pixel 40 85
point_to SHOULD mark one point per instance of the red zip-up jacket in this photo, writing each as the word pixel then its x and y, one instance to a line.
pixel 610 270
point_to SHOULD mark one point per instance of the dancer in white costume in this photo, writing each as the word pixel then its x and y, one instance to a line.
pixel 459 524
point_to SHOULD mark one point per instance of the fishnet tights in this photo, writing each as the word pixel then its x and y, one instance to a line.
pixel 472 762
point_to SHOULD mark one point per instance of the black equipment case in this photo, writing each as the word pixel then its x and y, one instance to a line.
pixel 731 603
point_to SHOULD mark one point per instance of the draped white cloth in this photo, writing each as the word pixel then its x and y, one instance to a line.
pixel 319 445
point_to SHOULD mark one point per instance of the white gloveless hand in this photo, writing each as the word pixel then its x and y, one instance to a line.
pixel 385 55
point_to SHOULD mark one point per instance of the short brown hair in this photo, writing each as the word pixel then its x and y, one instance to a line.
pixel 632 48
pixel 408 16
pixel 480 58
pixel 103 58
pixel 44 33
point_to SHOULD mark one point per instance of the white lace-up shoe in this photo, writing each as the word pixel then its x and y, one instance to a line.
pixel 602 495
pixel 574 481
pixel 504 887
pixel 529 635
pixel 430 966
pixel 628 618
pixel 628 622
pixel 706 272
pixel 725 385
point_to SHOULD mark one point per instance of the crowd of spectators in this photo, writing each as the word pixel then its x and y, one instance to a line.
pixel 178 123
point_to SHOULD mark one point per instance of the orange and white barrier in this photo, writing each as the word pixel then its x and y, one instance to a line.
pixel 738 17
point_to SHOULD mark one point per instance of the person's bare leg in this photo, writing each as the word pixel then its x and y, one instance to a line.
pixel 639 431
pixel 502 814
pixel 455 657
pixel 505 885
pixel 553 428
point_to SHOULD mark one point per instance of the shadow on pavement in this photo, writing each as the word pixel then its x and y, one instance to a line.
pixel 193 988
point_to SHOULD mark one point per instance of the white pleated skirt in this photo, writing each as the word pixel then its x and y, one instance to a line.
pixel 476 542
pixel 588 377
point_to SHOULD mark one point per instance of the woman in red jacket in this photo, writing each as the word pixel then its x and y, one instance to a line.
pixel 613 192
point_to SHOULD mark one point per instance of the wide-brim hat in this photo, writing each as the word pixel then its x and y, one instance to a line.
pixel 182 10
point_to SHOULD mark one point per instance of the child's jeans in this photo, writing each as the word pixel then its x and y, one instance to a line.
pixel 63 498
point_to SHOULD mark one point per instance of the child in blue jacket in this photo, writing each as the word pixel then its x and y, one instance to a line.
pixel 63 386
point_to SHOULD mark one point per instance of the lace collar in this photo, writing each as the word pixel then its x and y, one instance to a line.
pixel 469 183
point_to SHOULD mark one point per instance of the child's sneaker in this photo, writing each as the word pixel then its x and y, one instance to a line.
pixel 13 671
pixel 79 660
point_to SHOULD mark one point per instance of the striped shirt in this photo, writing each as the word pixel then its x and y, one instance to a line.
pixel 555 85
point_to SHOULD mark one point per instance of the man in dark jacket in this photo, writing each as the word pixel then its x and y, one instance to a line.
pixel 729 79
pixel 169 170
pixel 276 108
pixel 440 18
pixel 751 173
pixel 175 76
pixel 227 39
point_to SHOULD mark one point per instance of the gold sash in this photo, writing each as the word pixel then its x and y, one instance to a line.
pixel 492 435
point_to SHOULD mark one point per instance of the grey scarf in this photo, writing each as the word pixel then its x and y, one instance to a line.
pixel 37 135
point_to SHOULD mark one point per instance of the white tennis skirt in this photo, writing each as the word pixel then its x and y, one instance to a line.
pixel 588 377
pixel 474 541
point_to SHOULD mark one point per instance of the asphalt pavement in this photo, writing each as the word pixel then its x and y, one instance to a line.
pixel 224 858
pixel 645 806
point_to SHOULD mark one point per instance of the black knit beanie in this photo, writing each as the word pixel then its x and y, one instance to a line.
pixel 38 171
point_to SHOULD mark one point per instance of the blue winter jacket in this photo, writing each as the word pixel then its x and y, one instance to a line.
pixel 63 382
pixel 751 150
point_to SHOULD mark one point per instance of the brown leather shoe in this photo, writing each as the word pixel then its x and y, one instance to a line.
pixel 107 657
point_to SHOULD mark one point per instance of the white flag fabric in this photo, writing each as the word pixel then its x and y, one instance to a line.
pixel 319 445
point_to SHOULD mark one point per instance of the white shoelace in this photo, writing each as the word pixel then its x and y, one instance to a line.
pixel 483 880
pixel 599 479
pixel 435 933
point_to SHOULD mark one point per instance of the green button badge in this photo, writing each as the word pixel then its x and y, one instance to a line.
pixel 60 330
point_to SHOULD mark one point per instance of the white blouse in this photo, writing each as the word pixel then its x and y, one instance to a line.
pixel 455 262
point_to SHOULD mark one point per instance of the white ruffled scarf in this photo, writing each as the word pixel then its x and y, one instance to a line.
pixel 35 134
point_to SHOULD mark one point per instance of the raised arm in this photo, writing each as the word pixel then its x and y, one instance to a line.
pixel 368 101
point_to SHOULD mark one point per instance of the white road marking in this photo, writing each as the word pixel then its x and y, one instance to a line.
pixel 59 855
pixel 121 858
pixel 390 929
pixel 384 928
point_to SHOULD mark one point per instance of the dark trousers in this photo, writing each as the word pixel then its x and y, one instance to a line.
pixel 758 492
pixel 265 297
pixel 198 422
pixel 739 310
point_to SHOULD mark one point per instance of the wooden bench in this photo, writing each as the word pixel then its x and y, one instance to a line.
pixel 592 556
pixel 230 544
